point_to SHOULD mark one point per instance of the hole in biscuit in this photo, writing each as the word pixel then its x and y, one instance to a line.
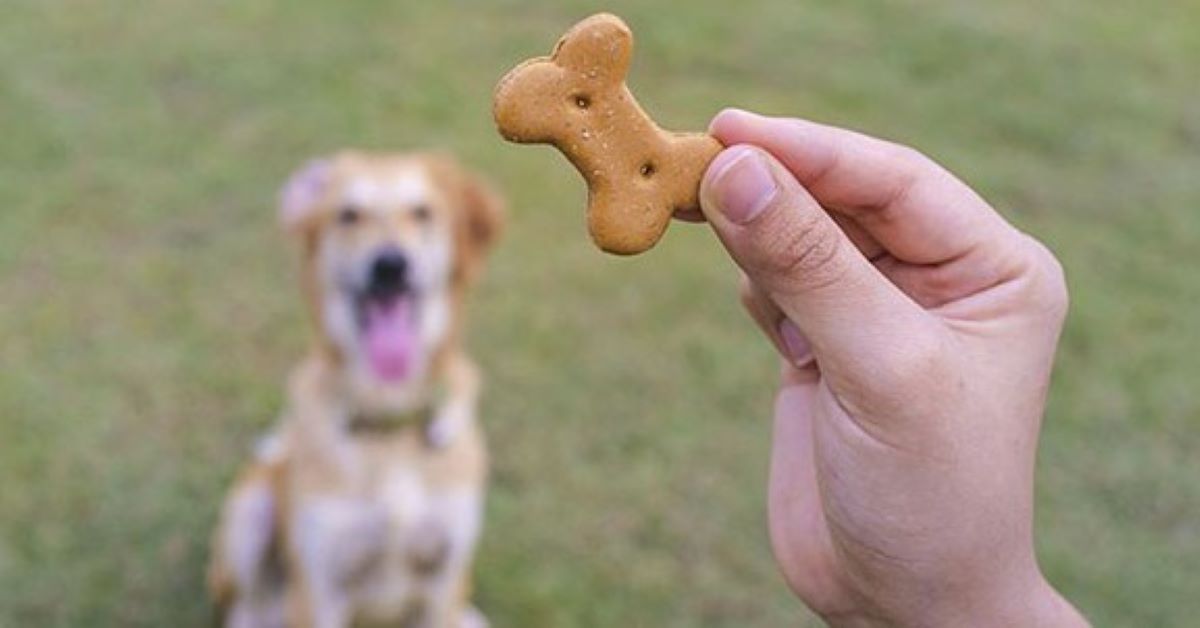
pixel 647 170
pixel 583 102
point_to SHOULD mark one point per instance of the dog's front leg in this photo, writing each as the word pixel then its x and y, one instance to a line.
pixel 310 607
pixel 459 407
pixel 313 598
pixel 332 544
pixel 448 423
pixel 450 605
pixel 449 588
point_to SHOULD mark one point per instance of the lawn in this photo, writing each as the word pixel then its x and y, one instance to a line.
pixel 148 308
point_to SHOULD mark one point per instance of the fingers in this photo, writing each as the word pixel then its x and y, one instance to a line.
pixel 793 251
pixel 917 210
pixel 765 314
pixel 789 341
pixel 799 531
pixel 859 236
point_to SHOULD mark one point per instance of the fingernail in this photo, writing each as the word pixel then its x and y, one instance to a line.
pixel 798 349
pixel 726 114
pixel 742 186
pixel 733 116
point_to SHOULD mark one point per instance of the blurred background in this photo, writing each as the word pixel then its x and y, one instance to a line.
pixel 149 312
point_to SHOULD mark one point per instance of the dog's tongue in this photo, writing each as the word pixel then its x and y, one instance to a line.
pixel 390 339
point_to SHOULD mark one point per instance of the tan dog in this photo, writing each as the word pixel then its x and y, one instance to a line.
pixel 363 507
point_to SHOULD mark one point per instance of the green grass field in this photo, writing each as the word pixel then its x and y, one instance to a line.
pixel 148 312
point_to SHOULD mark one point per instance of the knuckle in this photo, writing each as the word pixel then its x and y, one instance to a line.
pixel 911 168
pixel 803 252
pixel 1049 280
pixel 911 160
pixel 907 155
pixel 1058 296
pixel 939 284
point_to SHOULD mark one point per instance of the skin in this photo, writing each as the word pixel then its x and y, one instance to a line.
pixel 917 329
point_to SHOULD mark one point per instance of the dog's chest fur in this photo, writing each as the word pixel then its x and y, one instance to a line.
pixel 387 518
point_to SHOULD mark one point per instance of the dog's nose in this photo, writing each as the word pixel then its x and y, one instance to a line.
pixel 389 273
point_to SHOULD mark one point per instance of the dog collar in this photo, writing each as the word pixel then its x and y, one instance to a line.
pixel 385 424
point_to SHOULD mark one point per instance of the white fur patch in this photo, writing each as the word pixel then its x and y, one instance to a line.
pixel 433 259
pixel 340 323
pixel 337 537
pixel 404 496
pixel 451 419
pixel 435 319
pixel 461 514
pixel 462 510
pixel 250 527
pixel 409 188
pixel 472 618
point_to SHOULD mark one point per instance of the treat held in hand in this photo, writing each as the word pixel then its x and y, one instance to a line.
pixel 637 174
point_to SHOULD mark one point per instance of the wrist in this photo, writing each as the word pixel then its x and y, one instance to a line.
pixel 1031 603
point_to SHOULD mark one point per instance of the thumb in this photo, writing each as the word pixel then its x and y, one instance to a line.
pixel 857 321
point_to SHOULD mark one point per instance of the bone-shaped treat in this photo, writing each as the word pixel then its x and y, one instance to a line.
pixel 576 99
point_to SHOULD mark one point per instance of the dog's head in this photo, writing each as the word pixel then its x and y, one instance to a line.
pixel 390 243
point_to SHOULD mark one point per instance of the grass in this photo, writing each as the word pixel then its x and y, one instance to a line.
pixel 148 314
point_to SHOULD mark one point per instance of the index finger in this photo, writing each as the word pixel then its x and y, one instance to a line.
pixel 916 209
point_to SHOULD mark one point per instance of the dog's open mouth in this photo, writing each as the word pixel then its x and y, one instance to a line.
pixel 389 334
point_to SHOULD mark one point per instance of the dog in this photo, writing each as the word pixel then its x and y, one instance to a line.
pixel 364 504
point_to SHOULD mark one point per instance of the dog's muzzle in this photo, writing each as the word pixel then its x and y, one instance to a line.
pixel 389 317
pixel 389 275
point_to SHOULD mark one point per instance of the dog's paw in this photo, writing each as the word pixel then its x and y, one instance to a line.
pixel 472 618
pixel 442 430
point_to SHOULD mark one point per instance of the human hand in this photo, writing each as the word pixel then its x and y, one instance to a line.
pixel 918 329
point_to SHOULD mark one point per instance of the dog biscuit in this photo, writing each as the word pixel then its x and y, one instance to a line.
pixel 576 99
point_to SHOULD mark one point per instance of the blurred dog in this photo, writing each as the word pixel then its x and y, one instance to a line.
pixel 363 507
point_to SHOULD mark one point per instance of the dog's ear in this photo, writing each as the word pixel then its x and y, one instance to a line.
pixel 485 211
pixel 302 194
pixel 479 214
pixel 483 221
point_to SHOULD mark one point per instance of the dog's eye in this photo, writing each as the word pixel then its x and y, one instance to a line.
pixel 349 215
pixel 422 214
